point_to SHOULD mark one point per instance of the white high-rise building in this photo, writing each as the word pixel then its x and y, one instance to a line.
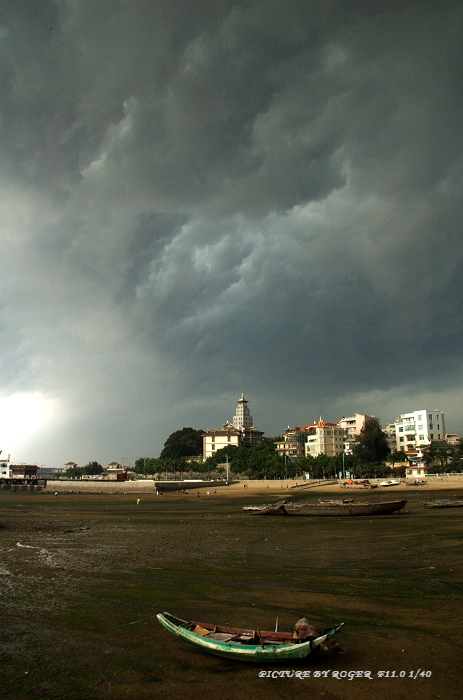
pixel 418 428
pixel 242 419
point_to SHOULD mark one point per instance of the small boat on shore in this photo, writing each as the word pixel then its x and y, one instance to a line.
pixel 337 508
pixel 389 482
pixel 258 509
pixel 442 503
pixel 247 645
pixel 362 485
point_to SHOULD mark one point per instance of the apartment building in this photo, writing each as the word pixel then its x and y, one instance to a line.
pixel 324 438
pixel 419 428
pixel 215 440
pixel 391 438
pixel 293 443
pixel 352 427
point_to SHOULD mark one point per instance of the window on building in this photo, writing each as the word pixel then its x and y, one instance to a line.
pixel 401 430
pixel 213 447
pixel 421 437
pixel 432 436
pixel 401 439
pixel 420 427
pixel 430 416
pixel 213 439
pixel 430 426
pixel 229 438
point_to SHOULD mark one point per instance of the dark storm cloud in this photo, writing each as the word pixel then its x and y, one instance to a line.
pixel 205 198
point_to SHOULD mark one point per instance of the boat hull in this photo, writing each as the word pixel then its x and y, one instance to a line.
pixel 336 510
pixel 266 651
pixel 437 504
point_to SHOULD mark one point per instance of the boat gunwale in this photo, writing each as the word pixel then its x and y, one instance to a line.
pixel 252 651
pixel 336 509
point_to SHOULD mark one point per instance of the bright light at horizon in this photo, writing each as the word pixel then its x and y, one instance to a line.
pixel 22 415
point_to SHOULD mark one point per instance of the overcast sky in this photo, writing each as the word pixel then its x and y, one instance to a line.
pixel 203 198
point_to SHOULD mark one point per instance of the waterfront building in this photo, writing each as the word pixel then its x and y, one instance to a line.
pixel 390 433
pixel 214 440
pixel 293 443
pixel 324 438
pixel 352 427
pixel 419 428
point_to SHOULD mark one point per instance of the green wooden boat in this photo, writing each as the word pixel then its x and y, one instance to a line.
pixel 242 644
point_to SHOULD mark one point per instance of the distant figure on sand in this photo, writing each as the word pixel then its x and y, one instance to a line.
pixel 138 501
pixel 56 493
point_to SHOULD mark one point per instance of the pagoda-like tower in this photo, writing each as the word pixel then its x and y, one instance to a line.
pixel 243 418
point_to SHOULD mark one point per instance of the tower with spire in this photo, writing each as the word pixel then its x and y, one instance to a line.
pixel 242 432
pixel 242 421
pixel 242 418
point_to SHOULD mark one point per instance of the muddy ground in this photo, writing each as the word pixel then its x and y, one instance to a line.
pixel 83 576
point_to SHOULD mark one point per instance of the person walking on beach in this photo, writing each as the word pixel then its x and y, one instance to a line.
pixel 138 501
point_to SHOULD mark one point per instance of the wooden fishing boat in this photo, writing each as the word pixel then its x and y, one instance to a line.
pixel 263 506
pixel 334 509
pixel 243 644
pixel 442 503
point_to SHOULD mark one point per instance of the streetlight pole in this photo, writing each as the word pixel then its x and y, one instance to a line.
pixel 226 457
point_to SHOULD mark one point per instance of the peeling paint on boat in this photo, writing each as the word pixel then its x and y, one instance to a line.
pixel 246 652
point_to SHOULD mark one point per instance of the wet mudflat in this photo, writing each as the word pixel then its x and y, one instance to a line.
pixel 82 578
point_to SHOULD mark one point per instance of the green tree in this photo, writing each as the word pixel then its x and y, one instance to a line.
pixel 90 468
pixel 93 468
pixel 438 456
pixel 257 462
pixel 147 466
pixel 371 445
pixel 457 457
pixel 187 442
pixel 305 465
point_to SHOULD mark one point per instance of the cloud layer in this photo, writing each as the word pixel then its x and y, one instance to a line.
pixel 199 199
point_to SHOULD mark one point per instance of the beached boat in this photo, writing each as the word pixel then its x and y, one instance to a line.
pixel 442 503
pixel 364 484
pixel 243 644
pixel 389 482
pixel 334 509
pixel 263 506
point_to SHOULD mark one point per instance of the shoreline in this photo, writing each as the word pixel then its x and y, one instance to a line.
pixel 287 487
